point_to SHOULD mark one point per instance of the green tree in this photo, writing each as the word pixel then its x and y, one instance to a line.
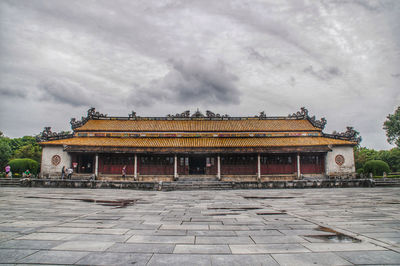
pixel 392 127
pixel 376 167
pixel 5 151
pixel 392 158
pixel 363 155
pixel 32 151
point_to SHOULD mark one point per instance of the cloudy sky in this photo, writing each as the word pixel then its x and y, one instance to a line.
pixel 338 58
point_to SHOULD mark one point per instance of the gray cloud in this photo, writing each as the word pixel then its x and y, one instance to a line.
pixel 192 81
pixel 237 57
pixel 65 92
pixel 323 74
pixel 12 93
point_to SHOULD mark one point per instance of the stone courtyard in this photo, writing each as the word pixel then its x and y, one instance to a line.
pixel 340 226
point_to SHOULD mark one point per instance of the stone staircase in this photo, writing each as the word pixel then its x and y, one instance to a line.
pixel 8 182
pixel 196 185
pixel 387 182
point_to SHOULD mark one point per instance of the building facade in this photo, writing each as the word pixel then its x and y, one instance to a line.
pixel 177 146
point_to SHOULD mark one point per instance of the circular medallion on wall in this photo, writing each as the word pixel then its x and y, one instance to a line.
pixel 339 159
pixel 55 160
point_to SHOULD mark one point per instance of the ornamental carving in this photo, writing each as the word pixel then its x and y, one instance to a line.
pixel 197 114
pixel 262 115
pixel 47 134
pixel 91 114
pixel 303 114
pixel 181 115
pixel 339 159
pixel 55 160
pixel 132 114
pixel 350 134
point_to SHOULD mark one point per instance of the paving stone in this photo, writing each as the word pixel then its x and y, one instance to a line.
pixel 184 227
pixel 306 259
pixel 47 236
pixel 98 237
pixel 202 249
pixel 161 239
pixel 259 233
pixel 278 239
pixel 110 231
pixel 242 260
pixel 321 247
pixel 180 259
pixel 371 257
pixel 54 257
pixel 84 245
pixel 75 230
pixel 267 248
pixel 13 255
pixel 212 233
pixel 142 248
pixel 29 244
pixel 141 229
pixel 108 258
pixel 223 240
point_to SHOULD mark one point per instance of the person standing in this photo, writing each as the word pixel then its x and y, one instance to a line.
pixel 124 171
pixel 63 172
pixel 8 170
pixel 69 172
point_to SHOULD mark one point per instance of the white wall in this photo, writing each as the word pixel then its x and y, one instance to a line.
pixel 348 167
pixel 47 168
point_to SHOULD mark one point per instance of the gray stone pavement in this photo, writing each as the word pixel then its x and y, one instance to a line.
pixel 348 226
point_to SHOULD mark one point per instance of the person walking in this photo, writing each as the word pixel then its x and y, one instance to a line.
pixel 63 170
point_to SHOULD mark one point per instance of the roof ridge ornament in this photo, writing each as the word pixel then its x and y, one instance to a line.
pixel 47 134
pixel 91 114
pixel 303 114
pixel 350 134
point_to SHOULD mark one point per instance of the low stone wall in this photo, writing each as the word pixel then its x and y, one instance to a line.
pixel 325 183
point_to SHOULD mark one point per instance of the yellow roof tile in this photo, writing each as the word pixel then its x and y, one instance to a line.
pixel 198 125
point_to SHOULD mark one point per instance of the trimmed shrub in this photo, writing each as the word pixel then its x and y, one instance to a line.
pixel 18 166
pixel 360 171
pixel 376 167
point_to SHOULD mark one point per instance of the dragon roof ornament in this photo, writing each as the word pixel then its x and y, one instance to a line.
pixel 91 114
pixel 197 114
pixel 47 134
pixel 350 134
pixel 303 114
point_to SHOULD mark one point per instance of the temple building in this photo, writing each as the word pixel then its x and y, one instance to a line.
pixel 202 145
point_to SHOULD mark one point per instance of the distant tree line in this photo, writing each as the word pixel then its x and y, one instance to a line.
pixel 363 155
pixel 18 148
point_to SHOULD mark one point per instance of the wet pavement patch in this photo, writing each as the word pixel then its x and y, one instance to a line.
pixel 270 213
pixel 120 203
pixel 336 237
pixel 234 209
pixel 258 197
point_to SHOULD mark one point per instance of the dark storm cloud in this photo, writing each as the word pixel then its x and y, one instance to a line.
pixel 192 81
pixel 64 92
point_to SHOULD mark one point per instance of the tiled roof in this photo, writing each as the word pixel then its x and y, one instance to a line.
pixel 199 142
pixel 256 125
